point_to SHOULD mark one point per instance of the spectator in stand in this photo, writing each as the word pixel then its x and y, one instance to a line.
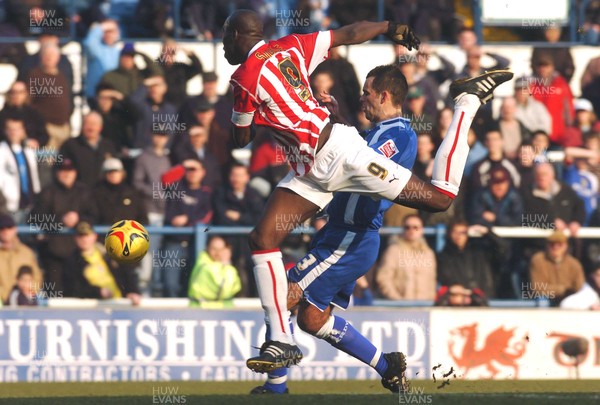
pixel 429 19
pixel 415 110
pixel 116 120
pixel 552 90
pixel 323 82
pixel 525 167
pixel 408 269
pixel 149 167
pixel 24 292
pixel 89 150
pixel 90 273
pixel 346 87
pixel 588 298
pixel 442 123
pixel 439 76
pixel 127 77
pixel 466 38
pixel 220 143
pixel 425 83
pixel 18 105
pixel 471 263
pixel 115 199
pixel 530 112
pixel 237 204
pixel 499 204
pixel 585 184
pixel 101 52
pixel 177 74
pixel 590 82
pixel 31 61
pixel 552 204
pixel 477 152
pixel 150 109
pixel 585 120
pixel 458 296
pixel 423 167
pixel 195 148
pixel 213 277
pixel 484 119
pixel 19 178
pixel 496 158
pixel 473 66
pixel 513 131
pixel 591 26
pixel 561 56
pixel 51 95
pixel 201 18
pixel 554 272
pixel 192 208
pixel 13 255
pixel 61 204
pixel 222 104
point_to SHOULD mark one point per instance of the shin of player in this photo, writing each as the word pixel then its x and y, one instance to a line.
pixel 272 287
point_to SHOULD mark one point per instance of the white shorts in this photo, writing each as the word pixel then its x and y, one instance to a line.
pixel 347 163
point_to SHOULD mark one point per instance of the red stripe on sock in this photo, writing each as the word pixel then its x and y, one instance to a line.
pixel 446 192
pixel 275 295
pixel 462 114
pixel 262 252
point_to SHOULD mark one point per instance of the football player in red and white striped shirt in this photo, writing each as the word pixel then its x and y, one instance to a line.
pixel 271 88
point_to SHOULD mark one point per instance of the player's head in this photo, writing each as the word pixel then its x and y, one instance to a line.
pixel 384 93
pixel 241 31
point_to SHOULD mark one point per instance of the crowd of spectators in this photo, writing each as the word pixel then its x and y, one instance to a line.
pixel 147 151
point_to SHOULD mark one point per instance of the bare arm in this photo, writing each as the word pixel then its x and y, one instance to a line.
pixel 422 195
pixel 243 135
pixel 358 32
pixel 363 31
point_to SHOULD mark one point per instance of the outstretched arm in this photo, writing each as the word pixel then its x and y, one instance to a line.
pixel 363 31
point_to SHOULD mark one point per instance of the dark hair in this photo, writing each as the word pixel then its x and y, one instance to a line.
pixel 236 164
pixel 540 132
pixel 454 223
pixel 24 270
pixel 104 86
pixel 389 78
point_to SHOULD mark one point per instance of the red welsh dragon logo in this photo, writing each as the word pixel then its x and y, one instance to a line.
pixel 495 351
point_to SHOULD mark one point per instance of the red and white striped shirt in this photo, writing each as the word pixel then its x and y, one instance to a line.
pixel 272 87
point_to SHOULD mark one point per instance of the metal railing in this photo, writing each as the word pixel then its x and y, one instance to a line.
pixel 201 232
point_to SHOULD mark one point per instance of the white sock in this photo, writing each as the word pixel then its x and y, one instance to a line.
pixel 271 281
pixel 450 159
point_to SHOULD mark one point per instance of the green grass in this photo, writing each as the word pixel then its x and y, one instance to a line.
pixel 488 392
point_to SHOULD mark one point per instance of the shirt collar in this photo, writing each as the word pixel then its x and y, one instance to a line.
pixel 391 121
pixel 255 47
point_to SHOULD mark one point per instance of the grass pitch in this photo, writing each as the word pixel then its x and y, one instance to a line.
pixel 458 392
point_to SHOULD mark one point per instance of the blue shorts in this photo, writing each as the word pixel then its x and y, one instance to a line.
pixel 337 258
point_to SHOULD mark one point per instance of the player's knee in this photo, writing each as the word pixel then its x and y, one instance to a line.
pixel 258 241
pixel 309 324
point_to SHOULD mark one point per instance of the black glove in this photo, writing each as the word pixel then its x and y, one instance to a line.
pixel 403 35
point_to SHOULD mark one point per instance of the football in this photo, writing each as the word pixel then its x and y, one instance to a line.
pixel 127 241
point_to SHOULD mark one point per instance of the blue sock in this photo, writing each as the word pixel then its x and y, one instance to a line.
pixel 276 379
pixel 344 337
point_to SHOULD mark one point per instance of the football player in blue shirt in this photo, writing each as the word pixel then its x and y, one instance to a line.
pixel 347 246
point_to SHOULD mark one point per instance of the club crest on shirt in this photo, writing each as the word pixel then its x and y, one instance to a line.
pixel 388 149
